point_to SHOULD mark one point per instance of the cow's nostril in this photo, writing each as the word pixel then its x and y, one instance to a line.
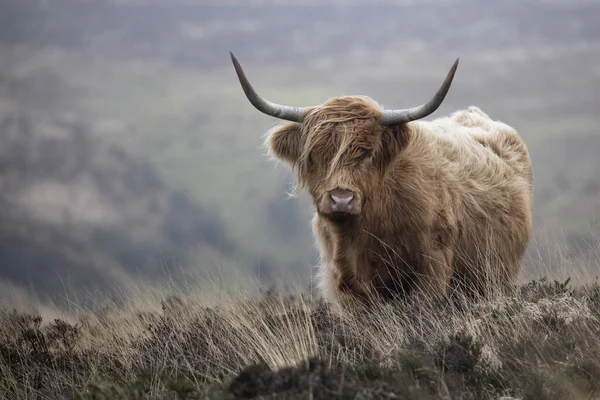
pixel 341 200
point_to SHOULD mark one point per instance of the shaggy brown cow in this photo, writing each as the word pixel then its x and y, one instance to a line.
pixel 403 204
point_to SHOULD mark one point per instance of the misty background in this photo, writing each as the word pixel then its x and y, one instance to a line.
pixel 129 153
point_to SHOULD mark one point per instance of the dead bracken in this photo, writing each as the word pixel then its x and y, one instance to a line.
pixel 539 342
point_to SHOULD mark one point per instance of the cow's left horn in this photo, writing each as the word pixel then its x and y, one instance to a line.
pixel 262 105
pixel 396 117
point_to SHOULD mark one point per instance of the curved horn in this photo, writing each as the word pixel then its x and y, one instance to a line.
pixel 262 105
pixel 396 117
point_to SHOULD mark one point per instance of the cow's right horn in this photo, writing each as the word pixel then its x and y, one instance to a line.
pixel 396 117
pixel 262 105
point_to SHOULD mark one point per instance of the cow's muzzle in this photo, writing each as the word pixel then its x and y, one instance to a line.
pixel 342 201
pixel 340 205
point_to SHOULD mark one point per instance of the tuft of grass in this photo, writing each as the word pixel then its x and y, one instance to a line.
pixel 539 342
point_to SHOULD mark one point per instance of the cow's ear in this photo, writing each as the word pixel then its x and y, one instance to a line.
pixel 284 142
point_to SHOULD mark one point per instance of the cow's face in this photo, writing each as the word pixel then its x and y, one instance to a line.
pixel 339 151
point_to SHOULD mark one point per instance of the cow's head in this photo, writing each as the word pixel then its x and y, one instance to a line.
pixel 340 148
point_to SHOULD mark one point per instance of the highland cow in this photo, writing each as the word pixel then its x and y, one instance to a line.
pixel 405 205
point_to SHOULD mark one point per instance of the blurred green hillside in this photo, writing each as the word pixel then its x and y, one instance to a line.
pixel 154 81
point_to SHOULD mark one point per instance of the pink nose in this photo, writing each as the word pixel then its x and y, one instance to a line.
pixel 341 200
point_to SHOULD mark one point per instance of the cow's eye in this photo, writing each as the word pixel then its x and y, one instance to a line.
pixel 311 163
pixel 363 153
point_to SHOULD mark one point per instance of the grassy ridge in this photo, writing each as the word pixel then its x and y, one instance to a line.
pixel 540 342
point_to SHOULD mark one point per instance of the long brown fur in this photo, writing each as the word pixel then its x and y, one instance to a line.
pixel 443 203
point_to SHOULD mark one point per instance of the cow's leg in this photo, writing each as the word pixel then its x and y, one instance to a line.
pixel 436 273
pixel 437 264
pixel 346 294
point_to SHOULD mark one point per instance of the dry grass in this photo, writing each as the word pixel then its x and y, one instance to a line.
pixel 540 342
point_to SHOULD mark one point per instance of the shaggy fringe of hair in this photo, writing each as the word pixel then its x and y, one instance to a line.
pixel 321 119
